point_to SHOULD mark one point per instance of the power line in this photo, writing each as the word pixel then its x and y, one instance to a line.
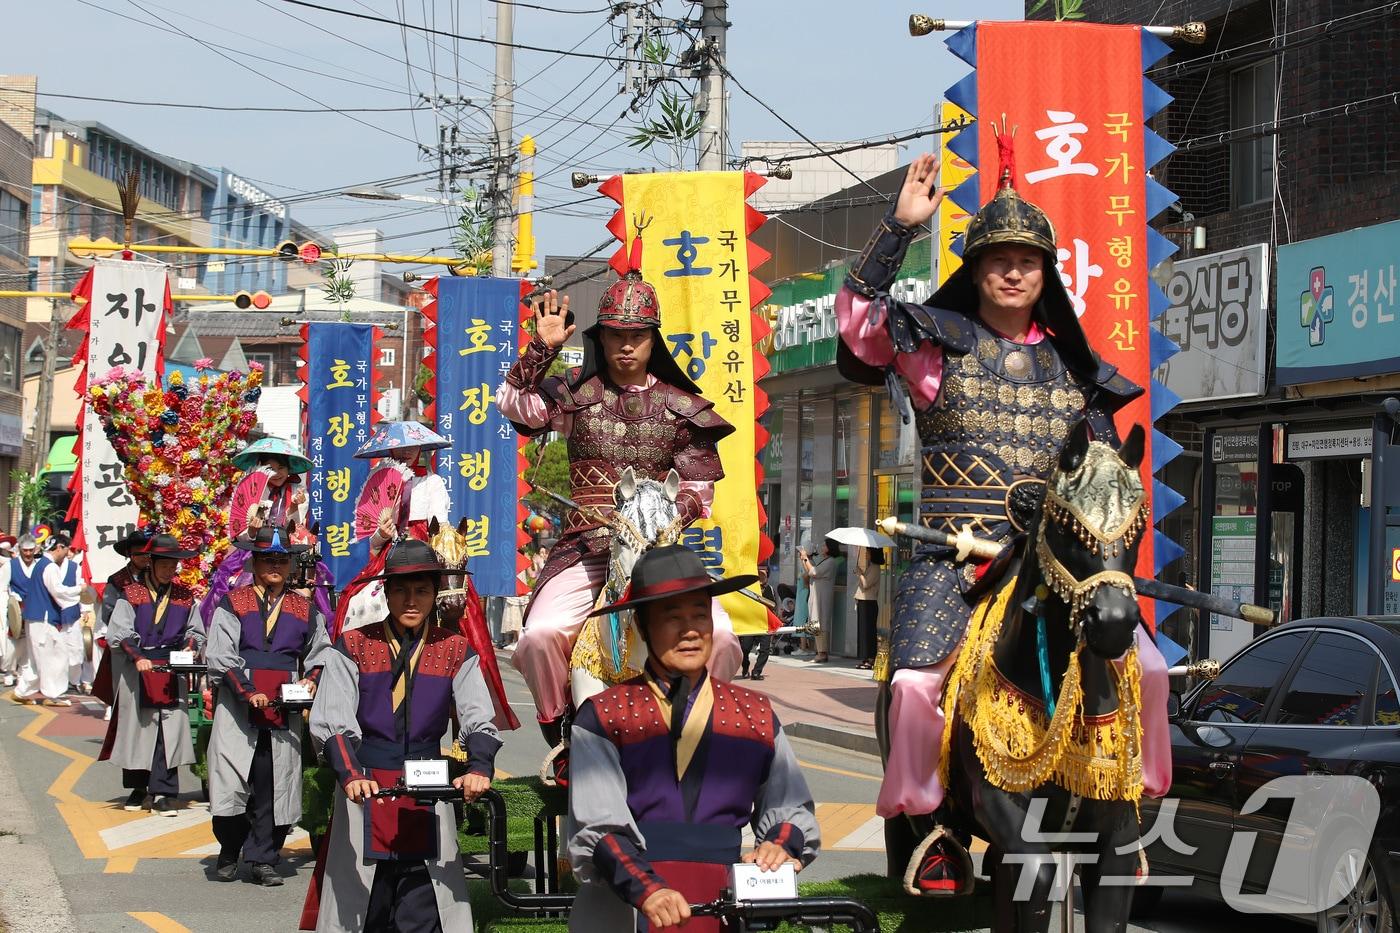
pixel 452 35
pixel 228 107
pixel 952 126
pixel 247 67
pixel 779 117
pixel 1274 127
pixel 550 9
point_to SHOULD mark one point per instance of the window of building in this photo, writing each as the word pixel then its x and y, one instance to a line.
pixel 14 227
pixel 11 372
pixel 266 360
pixel 1252 160
pixel 387 355
pixel 36 200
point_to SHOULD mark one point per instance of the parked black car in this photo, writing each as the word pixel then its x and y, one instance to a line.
pixel 1314 697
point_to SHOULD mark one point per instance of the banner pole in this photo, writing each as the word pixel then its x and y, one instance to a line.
pixel 1193 33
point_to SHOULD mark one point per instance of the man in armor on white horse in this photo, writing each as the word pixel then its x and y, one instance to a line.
pixel 629 405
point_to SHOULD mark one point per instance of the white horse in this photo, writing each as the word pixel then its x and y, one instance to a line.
pixel 609 649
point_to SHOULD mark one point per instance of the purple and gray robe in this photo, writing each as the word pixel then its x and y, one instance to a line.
pixel 365 732
pixel 659 796
pixel 241 650
pixel 149 625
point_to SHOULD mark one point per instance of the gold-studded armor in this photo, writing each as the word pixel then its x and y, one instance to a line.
pixel 1002 415
pixel 653 431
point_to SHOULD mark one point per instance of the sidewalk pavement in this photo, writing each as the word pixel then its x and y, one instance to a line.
pixel 832 703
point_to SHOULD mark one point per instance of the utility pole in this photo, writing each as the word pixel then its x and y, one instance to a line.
pixel 502 149
pixel 713 25
pixel 43 402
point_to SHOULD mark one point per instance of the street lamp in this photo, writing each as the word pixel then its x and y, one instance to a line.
pixel 376 193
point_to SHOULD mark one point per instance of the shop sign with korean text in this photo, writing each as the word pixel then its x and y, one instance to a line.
pixel 1217 312
pixel 1337 306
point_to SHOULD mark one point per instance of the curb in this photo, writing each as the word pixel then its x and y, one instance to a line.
pixel 31 899
pixel 849 739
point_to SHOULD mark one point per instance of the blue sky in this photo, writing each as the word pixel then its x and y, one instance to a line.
pixel 837 70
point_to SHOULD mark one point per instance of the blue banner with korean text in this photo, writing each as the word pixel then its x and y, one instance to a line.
pixel 476 336
pixel 339 412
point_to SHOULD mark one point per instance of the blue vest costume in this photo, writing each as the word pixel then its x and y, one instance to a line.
pixel 70 578
pixel 38 605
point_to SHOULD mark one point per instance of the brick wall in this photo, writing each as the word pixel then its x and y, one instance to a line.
pixel 1333 174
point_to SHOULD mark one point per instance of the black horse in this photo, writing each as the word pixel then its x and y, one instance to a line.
pixel 1058 635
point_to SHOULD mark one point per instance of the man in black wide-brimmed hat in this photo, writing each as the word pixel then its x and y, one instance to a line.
pixel 262 637
pixel 387 694
pixel 668 768
pixel 149 735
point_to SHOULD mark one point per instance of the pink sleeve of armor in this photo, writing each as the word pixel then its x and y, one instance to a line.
pixel 703 491
pixel 869 339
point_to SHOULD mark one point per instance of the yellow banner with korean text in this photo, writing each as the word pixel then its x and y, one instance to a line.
pixel 696 252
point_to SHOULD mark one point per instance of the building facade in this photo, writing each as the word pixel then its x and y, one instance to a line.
pixel 245 216
pixel 16 155
pixel 1288 178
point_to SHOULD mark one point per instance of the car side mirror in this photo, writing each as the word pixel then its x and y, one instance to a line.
pixel 1173 706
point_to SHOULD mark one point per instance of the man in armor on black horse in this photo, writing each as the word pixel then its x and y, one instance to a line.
pixel 629 405
pixel 998 370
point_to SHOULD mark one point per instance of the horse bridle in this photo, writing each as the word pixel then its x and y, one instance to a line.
pixel 1077 593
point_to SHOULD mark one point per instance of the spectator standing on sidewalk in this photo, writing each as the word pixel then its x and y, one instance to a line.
pixel 867 605
pixel 764 642
pixel 821 593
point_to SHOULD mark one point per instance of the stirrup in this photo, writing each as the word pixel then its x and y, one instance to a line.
pixel 953 851
pixel 551 774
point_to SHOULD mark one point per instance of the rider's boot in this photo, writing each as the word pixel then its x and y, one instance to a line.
pixel 555 771
pixel 940 865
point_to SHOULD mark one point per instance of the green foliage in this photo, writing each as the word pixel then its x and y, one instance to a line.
pixel 339 286
pixel 317 797
pixel 678 126
pixel 423 384
pixel 1064 9
pixel 549 469
pixel 474 234
pixel 31 498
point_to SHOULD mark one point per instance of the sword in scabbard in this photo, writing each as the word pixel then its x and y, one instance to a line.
pixel 965 544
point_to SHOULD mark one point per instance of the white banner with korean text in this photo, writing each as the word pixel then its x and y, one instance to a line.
pixel 1218 313
pixel 126 310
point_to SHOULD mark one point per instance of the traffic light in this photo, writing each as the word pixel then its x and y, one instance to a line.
pixel 287 251
pixel 245 300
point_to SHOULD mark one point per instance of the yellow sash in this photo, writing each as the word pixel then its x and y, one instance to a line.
pixel 401 683
pixel 695 723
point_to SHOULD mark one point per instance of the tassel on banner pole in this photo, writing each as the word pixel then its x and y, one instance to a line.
pixel 1192 33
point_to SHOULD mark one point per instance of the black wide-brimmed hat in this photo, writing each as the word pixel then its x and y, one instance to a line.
pixel 410 557
pixel 672 571
pixel 132 542
pixel 271 540
pixel 163 545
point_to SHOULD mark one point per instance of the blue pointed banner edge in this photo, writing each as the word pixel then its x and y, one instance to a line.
pixel 963 44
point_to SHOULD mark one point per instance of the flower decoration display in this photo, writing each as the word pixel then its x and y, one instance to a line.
pixel 178 444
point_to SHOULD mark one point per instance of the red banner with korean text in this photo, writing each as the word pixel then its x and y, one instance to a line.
pixel 1076 96
pixel 695 229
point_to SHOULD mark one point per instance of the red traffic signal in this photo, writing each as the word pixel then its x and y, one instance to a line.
pixel 259 300
pixel 310 252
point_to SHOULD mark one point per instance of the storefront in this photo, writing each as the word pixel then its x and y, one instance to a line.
pixel 839 455
pixel 1294 493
